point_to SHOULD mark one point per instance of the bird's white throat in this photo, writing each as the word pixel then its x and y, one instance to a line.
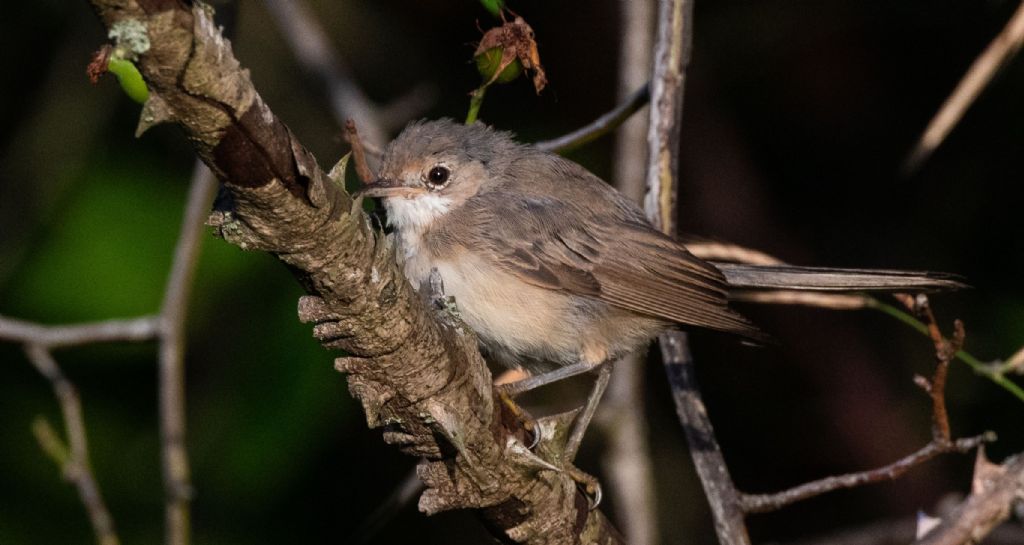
pixel 416 214
pixel 410 217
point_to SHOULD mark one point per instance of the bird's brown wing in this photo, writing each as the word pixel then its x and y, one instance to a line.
pixel 621 261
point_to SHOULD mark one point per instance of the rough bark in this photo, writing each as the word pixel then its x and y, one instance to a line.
pixel 416 370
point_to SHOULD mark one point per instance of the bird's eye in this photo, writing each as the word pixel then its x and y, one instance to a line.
pixel 438 177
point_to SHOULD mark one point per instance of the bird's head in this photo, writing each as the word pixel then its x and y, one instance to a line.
pixel 434 167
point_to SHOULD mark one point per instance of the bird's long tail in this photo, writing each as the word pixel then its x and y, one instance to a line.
pixel 791 277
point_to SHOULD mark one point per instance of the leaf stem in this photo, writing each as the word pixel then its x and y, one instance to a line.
pixel 476 99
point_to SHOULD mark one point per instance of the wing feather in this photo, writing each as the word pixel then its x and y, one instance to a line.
pixel 613 257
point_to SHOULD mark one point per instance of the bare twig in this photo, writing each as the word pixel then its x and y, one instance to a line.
pixel 171 360
pixel 724 251
pixel 989 504
pixel 945 350
pixel 61 336
pixel 675 29
pixel 987 370
pixel 978 76
pixel 409 105
pixel 627 459
pixel 600 126
pixel 358 152
pixel 168 327
pixel 1013 364
pixel 671 57
pixel 312 49
pixel 73 460
pixel 940 443
pixel 763 503
pixel 719 489
pixel 835 301
pixel 901 532
pixel 401 496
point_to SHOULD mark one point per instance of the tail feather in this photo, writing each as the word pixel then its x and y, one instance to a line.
pixel 790 277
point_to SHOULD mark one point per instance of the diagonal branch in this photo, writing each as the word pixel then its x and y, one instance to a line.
pixel 600 126
pixel 763 503
pixel 73 459
pixel 989 504
pixel 998 53
pixel 312 49
pixel 413 367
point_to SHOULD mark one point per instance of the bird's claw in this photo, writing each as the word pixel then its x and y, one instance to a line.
pixel 520 417
pixel 588 484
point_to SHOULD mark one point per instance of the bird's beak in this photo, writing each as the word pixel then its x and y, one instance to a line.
pixel 387 188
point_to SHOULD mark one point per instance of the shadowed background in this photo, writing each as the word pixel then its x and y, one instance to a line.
pixel 797 117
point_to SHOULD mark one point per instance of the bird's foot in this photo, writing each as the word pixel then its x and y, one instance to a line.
pixel 520 418
pixel 587 483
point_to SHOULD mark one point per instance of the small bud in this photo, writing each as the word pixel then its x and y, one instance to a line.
pixel 494 68
pixel 515 43
pixel 130 79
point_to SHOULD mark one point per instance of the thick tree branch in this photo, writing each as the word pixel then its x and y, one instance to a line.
pixel 416 370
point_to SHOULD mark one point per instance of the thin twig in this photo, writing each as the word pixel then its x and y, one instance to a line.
pixel 407 490
pixel 1013 364
pixel 312 49
pixel 358 152
pixel 763 503
pixel 986 370
pixel 944 353
pixel 675 29
pixel 60 336
pixel 172 346
pixel 600 126
pixel 724 251
pixel 75 464
pixel 409 105
pixel 834 301
pixel 900 532
pixel 940 443
pixel 987 506
pixel 978 76
pixel 722 495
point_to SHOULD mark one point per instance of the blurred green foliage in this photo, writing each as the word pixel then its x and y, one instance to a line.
pixel 796 122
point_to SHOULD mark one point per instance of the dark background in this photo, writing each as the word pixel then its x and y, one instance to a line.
pixel 798 115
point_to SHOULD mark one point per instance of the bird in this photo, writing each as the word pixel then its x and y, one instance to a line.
pixel 556 271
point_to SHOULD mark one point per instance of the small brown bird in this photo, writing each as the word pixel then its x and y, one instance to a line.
pixel 555 270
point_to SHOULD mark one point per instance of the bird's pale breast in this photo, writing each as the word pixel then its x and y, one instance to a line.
pixel 522 325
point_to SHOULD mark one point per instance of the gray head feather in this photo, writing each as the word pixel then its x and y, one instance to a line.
pixel 426 138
